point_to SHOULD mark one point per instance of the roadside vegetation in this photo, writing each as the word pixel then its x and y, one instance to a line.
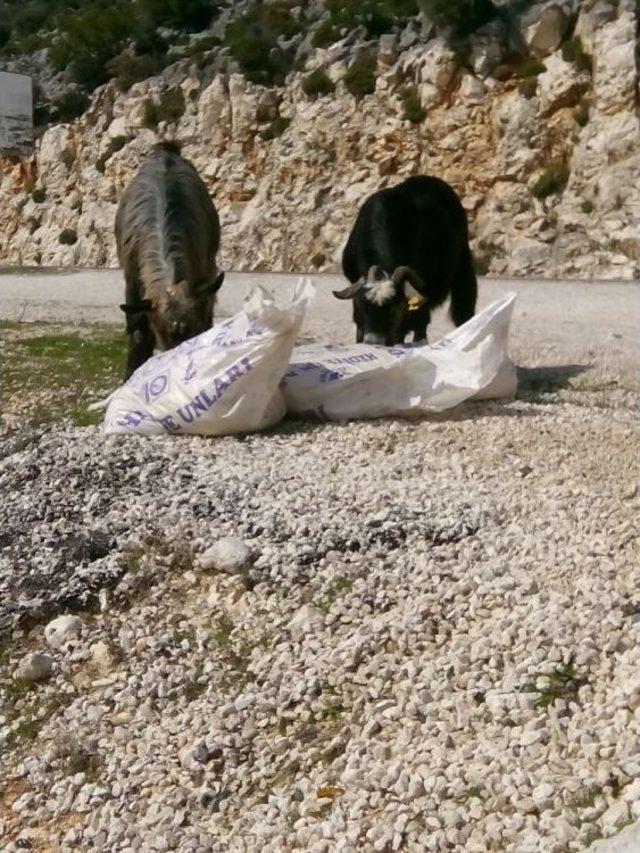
pixel 94 41
pixel 51 372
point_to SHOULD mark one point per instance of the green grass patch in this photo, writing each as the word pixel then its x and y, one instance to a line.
pixel 54 375
pixel 475 792
pixel 332 712
pixel 221 633
pixel 562 683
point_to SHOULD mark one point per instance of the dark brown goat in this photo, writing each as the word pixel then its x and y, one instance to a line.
pixel 168 235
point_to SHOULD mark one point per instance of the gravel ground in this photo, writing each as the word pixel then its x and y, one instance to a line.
pixel 432 646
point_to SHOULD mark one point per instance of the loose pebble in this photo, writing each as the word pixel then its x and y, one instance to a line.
pixel 381 636
pixel 34 667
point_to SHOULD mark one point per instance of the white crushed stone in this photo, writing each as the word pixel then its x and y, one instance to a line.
pixel 227 555
pixel 430 652
pixel 34 667
pixel 62 630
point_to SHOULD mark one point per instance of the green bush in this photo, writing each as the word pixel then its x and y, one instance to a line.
pixel 91 39
pixel 376 16
pixel 552 181
pixel 150 114
pixel 573 51
pixel 68 237
pixel 39 195
pixel 459 17
pixel 318 83
pixel 253 42
pixel 127 68
pixel 528 87
pixel 149 42
pixel 201 46
pixel 172 105
pixel 412 109
pixel 188 14
pixel 88 39
pixel 70 105
pixel 26 18
pixel 581 113
pixel 360 78
pixel 276 128
pixel 587 206
pixel 325 35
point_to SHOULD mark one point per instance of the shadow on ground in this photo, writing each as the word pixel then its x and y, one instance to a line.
pixel 537 381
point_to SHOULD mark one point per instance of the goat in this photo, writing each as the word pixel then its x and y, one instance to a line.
pixel 407 252
pixel 167 234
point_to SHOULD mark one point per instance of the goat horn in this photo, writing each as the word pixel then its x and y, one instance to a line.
pixel 349 292
pixel 401 274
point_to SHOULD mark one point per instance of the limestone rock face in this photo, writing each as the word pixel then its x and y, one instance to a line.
pixel 544 27
pixel 288 172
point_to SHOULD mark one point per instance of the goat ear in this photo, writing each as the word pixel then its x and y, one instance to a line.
pixel 349 292
pixel 138 308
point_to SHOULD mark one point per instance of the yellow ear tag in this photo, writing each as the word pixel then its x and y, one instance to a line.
pixel 415 302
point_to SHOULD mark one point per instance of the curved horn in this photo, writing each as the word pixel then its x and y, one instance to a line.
pixel 401 274
pixel 349 292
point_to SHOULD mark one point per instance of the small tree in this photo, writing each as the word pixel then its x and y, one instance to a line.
pixel 317 83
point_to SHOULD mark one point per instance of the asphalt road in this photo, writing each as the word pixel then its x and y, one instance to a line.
pixel 575 325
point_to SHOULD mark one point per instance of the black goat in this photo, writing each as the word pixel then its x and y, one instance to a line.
pixel 408 251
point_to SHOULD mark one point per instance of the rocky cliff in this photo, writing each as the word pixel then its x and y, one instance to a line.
pixel 544 153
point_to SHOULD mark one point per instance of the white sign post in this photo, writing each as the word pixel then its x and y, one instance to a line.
pixel 16 114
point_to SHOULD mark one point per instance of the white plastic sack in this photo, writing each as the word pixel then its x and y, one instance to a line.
pixel 364 381
pixel 223 381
